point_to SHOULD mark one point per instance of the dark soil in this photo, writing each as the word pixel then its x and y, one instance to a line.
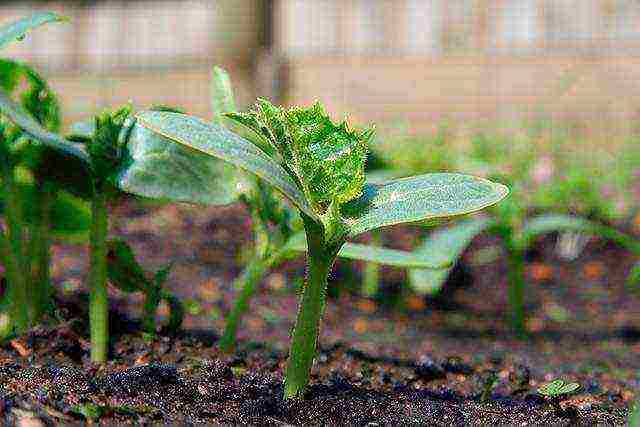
pixel 399 359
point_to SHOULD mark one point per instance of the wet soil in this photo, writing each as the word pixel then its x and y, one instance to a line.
pixel 398 359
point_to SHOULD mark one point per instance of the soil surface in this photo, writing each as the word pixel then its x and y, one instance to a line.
pixel 397 359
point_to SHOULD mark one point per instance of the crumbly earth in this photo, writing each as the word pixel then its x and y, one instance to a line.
pixel 396 359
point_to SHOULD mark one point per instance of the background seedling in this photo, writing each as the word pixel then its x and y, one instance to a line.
pixel 319 167
pixel 126 274
pixel 39 201
pixel 556 390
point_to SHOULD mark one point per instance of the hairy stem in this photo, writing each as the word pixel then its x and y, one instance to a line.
pixel 320 259
pixel 247 283
pixel 98 298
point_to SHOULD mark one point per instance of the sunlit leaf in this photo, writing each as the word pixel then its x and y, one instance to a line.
pixel 218 142
pixel 445 245
pixel 557 388
pixel 18 29
pixel 379 255
pixel 423 197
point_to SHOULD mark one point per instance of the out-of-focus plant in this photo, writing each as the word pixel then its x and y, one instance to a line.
pixel 518 233
pixel 39 190
pixel 319 167
pixel 126 274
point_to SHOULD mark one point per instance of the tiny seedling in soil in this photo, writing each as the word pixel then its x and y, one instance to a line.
pixel 318 165
pixel 556 390
pixel 41 187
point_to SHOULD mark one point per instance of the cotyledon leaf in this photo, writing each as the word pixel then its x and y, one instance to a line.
pixel 21 27
pixel 422 197
pixel 22 119
pixel 221 143
pixel 161 169
pixel 379 255
pixel 446 244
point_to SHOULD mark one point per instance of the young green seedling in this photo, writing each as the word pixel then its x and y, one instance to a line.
pixel 162 169
pixel 556 390
pixel 319 166
pixel 126 274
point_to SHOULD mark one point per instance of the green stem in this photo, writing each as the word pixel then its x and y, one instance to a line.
pixel 12 247
pixel 515 276
pixel 371 279
pixel 98 298
pixel 320 259
pixel 247 283
pixel 41 252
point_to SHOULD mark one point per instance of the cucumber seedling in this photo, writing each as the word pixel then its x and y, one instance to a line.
pixel 318 165
pixel 170 171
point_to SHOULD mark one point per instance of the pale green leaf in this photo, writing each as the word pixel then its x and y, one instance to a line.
pixel 22 119
pixel 376 254
pixel 161 169
pixel 558 222
pixel 222 99
pixel 445 245
pixel 218 142
pixel 18 29
pixel 418 198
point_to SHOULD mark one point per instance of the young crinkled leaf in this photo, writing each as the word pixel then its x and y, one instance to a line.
pixel 329 159
pixel 326 159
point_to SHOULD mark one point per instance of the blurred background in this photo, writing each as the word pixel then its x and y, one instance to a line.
pixel 421 61
pixel 539 94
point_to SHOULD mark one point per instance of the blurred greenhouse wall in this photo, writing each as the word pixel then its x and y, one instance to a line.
pixel 424 61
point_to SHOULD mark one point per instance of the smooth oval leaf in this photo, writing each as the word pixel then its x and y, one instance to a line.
pixel 422 197
pixel 18 29
pixel 161 169
pixel 376 254
pixel 221 143
pixel 445 245
pixel 22 119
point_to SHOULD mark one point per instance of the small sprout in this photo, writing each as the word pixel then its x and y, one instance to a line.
pixel 489 382
pixel 557 388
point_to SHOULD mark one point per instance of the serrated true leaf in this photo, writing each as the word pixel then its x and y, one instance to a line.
pixel 328 158
pixel 22 119
pixel 162 169
pixel 445 245
pixel 422 197
pixel 18 29
pixel 557 388
pixel 220 143
pixel 379 255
